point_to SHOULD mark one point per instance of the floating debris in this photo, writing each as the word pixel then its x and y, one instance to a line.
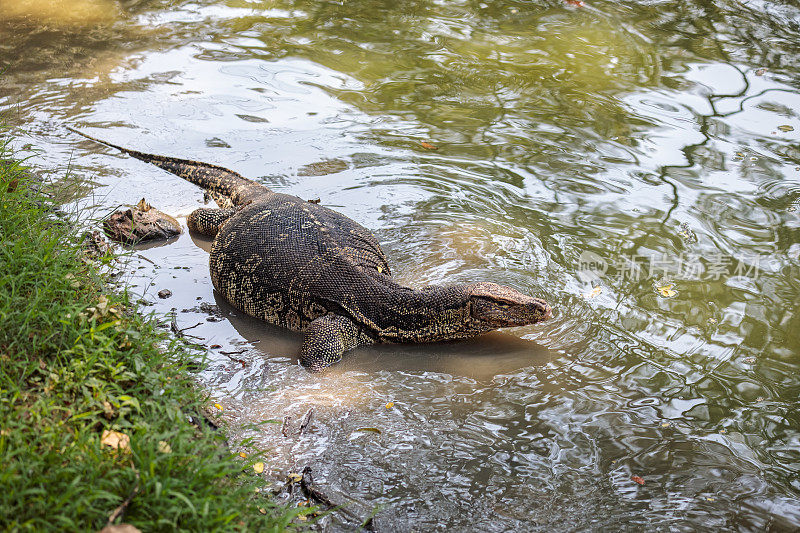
pixel 164 294
pixel 594 292
pixel 666 290
pixel 370 430
pixel 216 142
pixel 140 223
pixel 687 234
pixel 322 168
pixel 638 480
pixel 786 128
pixel 428 146
pixel 761 72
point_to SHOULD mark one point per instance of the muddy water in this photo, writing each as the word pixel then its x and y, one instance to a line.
pixel 636 164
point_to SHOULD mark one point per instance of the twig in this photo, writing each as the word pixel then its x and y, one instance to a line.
pixel 192 327
pixel 313 493
pixel 180 332
pixel 235 359
pixel 285 426
pixel 119 511
pixel 146 259
pixel 306 421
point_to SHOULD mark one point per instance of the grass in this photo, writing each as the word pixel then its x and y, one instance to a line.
pixel 76 360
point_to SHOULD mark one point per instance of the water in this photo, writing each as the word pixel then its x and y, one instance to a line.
pixel 636 164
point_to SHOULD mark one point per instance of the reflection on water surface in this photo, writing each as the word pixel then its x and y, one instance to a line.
pixel 663 139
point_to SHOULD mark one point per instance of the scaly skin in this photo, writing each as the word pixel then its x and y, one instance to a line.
pixel 308 268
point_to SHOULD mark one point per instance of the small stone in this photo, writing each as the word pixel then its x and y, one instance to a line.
pixel 164 293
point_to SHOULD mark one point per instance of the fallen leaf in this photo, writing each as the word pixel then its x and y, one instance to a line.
pixel 638 480
pixel 262 510
pixel 428 146
pixel 665 424
pixel 215 346
pixel 164 447
pixel 709 499
pixel 370 430
pixel 116 440
pixel 390 405
pixel 294 477
pixel 258 467
pixel 761 72
pixel 667 291
pixel 595 292
pixel 218 406
pixel 576 3
pixel 786 127
pixel 243 455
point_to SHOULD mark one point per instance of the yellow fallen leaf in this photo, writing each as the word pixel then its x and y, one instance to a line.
pixel 116 440
pixel 667 291
pixel 302 518
pixel 390 405
pixel 242 455
pixel 595 292
pixel 262 510
pixel 258 467
pixel 294 477
pixel 786 127
pixel 218 406
pixel 164 447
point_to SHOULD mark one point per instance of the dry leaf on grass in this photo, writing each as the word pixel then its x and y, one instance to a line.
pixel 116 440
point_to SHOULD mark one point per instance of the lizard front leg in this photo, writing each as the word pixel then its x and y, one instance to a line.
pixel 326 339
pixel 208 221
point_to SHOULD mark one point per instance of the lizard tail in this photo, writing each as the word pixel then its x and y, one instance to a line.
pixel 211 177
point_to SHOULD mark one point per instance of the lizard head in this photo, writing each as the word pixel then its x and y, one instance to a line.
pixel 497 306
